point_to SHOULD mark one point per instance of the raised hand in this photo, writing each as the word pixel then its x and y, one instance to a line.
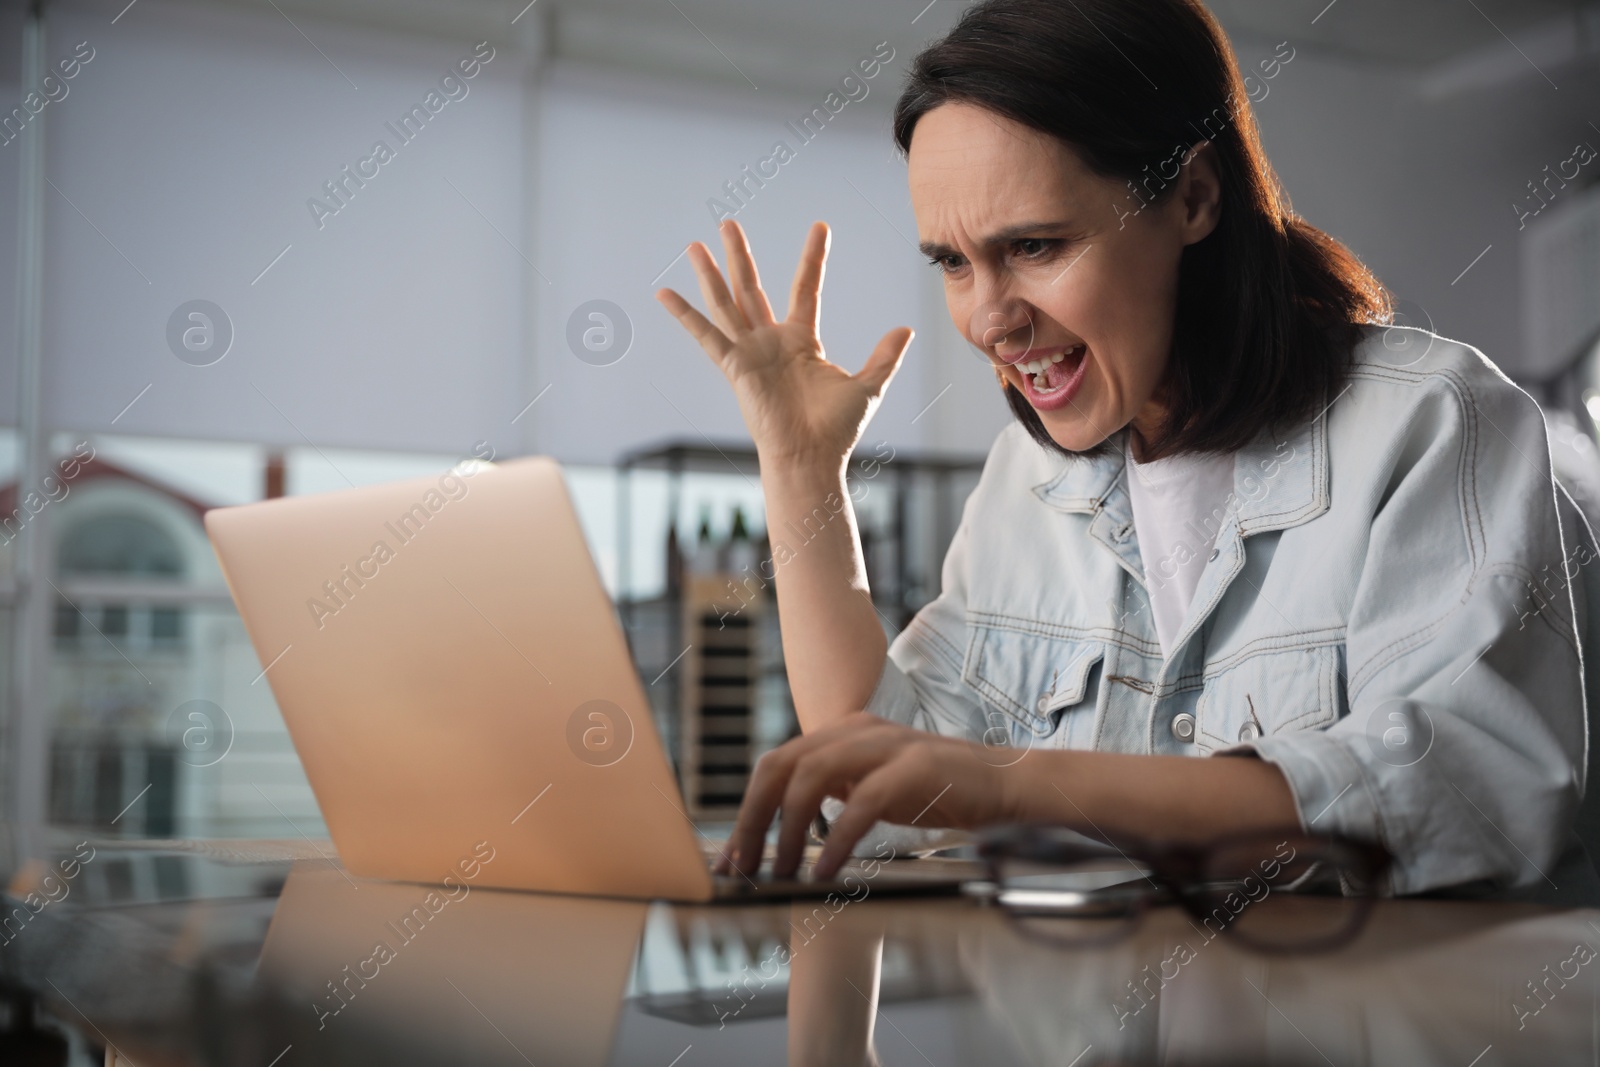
pixel 798 407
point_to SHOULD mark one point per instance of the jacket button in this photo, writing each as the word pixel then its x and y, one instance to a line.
pixel 1215 552
pixel 1249 732
pixel 1183 726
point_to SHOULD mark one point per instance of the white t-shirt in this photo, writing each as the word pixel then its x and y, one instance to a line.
pixel 1179 504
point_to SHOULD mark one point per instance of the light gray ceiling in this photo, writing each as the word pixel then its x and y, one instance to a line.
pixel 1408 32
pixel 786 41
pixel 1398 31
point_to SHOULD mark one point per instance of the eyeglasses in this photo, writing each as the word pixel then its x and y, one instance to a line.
pixel 1286 892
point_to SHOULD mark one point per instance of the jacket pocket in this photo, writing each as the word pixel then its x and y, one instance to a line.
pixel 1030 676
pixel 1269 693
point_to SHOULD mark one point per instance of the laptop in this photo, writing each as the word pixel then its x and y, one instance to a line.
pixel 462 699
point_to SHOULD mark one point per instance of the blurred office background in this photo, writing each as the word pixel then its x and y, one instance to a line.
pixel 366 321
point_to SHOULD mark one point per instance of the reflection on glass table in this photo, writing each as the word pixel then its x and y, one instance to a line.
pixel 234 952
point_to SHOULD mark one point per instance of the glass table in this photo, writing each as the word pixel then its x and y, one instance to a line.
pixel 267 953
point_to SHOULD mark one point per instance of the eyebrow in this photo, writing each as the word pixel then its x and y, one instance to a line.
pixel 1000 237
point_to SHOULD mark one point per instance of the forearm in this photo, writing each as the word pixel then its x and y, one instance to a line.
pixel 805 414
pixel 833 644
pixel 829 1023
pixel 1174 799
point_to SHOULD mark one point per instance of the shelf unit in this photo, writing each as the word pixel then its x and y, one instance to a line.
pixel 717 684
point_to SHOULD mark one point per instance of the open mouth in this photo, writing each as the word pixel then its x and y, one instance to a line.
pixel 1050 380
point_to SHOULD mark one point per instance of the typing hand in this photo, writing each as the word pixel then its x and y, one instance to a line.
pixel 882 771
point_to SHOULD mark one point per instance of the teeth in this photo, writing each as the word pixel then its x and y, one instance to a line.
pixel 1036 368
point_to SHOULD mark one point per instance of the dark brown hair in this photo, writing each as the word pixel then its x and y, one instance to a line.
pixel 1269 307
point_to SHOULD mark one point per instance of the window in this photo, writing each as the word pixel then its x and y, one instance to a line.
pixel 125 545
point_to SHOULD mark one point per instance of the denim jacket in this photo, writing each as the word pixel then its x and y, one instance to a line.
pixel 1388 616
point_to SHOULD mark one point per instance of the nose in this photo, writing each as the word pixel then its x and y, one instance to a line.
pixel 1003 328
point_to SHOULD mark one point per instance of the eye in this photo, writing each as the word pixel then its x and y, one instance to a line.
pixel 947 264
pixel 1035 247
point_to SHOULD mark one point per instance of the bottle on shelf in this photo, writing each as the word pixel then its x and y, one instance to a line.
pixel 704 560
pixel 674 560
pixel 740 555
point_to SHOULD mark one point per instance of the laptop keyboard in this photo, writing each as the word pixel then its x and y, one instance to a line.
pixel 929 874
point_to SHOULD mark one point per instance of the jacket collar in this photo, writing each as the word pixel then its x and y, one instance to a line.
pixel 1085 481
pixel 1277 483
pixel 1095 485
pixel 1282 482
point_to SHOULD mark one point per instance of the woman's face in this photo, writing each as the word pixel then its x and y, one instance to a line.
pixel 1053 272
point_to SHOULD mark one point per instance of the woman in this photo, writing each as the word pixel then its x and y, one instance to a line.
pixel 1235 516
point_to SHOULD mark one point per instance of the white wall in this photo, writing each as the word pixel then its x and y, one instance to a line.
pixel 626 175
pixel 183 158
pixel 10 93
pixel 1419 185
pixel 185 153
